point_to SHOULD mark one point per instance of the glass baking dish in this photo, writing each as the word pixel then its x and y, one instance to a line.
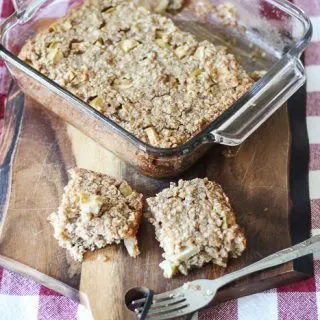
pixel 268 35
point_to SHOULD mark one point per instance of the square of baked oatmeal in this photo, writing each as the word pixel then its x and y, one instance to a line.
pixel 96 210
pixel 194 224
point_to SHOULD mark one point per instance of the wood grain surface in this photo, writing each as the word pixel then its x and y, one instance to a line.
pixel 255 178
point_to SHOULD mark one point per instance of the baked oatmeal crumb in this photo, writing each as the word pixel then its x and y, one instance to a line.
pixel 227 13
pixel 256 75
pixel 230 152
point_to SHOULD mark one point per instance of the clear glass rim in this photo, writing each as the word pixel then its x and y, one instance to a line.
pixel 203 136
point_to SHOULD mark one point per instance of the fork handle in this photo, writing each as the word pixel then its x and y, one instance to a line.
pixel 299 250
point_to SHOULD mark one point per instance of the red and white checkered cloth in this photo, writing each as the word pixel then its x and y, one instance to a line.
pixel 22 298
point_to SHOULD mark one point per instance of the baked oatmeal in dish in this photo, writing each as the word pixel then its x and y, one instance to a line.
pixel 194 224
pixel 138 69
pixel 97 210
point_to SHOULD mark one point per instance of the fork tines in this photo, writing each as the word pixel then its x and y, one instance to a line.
pixel 162 307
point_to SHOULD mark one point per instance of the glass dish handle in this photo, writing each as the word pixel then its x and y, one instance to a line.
pixel 270 92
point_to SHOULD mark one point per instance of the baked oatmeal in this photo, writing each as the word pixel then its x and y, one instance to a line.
pixel 160 5
pixel 194 224
pixel 138 69
pixel 97 210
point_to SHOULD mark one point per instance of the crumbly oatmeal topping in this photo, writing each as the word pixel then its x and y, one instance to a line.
pixel 96 210
pixel 160 5
pixel 227 13
pixel 194 224
pixel 138 69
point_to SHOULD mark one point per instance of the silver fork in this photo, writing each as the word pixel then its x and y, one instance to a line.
pixel 197 294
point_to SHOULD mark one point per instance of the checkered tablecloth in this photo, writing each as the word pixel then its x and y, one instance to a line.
pixel 22 298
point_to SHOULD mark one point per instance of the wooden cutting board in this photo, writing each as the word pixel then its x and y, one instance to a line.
pixel 258 178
